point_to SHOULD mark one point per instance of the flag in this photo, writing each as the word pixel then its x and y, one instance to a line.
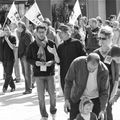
pixel 76 12
pixel 34 14
pixel 13 14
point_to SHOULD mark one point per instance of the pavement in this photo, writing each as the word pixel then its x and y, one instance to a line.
pixel 16 106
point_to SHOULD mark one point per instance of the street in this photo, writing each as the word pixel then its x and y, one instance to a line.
pixel 16 106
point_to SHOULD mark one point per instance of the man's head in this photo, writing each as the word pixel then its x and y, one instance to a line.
pixel 115 25
pixel 92 62
pixel 99 20
pixel 93 23
pixel 13 26
pixel 21 26
pixel 41 31
pixel 64 32
pixel 47 22
pixel 115 54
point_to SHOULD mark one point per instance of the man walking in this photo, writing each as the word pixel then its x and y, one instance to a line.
pixel 87 76
pixel 25 39
pixel 42 55
pixel 68 50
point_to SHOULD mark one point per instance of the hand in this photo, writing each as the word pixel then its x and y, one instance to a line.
pixel 67 106
pixel 112 100
pixel 52 50
pixel 38 63
pixel 49 63
pixel 101 115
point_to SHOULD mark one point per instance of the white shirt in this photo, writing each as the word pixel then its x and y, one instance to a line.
pixel 91 90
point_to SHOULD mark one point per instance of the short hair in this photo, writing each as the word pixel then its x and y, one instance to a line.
pixel 107 31
pixel 107 22
pixel 115 51
pixel 42 26
pixel 47 21
pixel 93 57
pixel 93 20
pixel 22 25
pixel 112 16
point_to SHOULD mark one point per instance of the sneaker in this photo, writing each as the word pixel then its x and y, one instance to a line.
pixel 44 118
pixel 27 92
pixel 16 80
pixel 4 90
pixel 12 90
pixel 53 116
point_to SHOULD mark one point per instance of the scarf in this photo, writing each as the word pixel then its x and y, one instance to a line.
pixel 41 52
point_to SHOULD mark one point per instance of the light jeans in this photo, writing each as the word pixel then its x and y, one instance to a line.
pixel 17 64
pixel 44 83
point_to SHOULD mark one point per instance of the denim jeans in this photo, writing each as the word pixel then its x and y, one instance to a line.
pixel 44 83
pixel 26 70
pixel 8 69
pixel 16 64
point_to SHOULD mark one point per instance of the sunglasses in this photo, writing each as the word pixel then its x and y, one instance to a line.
pixel 102 38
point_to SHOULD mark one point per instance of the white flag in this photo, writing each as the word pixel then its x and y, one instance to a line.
pixel 34 14
pixel 76 12
pixel 13 14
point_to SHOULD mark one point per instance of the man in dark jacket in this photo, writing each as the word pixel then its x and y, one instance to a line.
pixel 24 42
pixel 87 76
pixel 42 55
pixel 67 51
pixel 8 47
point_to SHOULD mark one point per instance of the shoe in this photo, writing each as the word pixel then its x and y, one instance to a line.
pixel 53 116
pixel 27 92
pixel 16 80
pixel 4 90
pixel 33 86
pixel 44 118
pixel 12 90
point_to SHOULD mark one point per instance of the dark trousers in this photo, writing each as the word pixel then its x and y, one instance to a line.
pixel 8 69
pixel 62 81
pixel 75 108
pixel 109 115
pixel 26 70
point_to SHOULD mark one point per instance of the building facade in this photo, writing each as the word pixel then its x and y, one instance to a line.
pixel 89 8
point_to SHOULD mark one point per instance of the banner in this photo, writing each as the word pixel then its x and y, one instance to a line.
pixel 76 12
pixel 34 14
pixel 13 14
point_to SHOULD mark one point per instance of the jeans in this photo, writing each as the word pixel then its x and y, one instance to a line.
pixel 44 83
pixel 26 70
pixel 8 69
pixel 16 64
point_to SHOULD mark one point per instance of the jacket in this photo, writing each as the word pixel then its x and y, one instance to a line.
pixel 32 58
pixel 92 117
pixel 76 80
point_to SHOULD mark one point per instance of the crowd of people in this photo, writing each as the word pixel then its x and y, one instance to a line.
pixel 88 54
